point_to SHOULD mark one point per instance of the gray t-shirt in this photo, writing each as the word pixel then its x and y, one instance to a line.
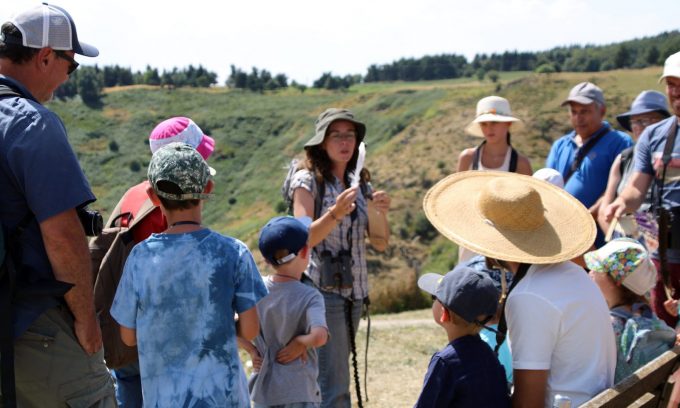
pixel 290 309
pixel 648 160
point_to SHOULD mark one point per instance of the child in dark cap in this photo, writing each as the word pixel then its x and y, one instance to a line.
pixel 466 373
pixel 293 322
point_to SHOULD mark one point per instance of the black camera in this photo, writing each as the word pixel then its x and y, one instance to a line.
pixel 336 271
pixel 92 221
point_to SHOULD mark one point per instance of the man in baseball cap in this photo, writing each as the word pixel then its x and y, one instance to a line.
pixel 650 166
pixel 37 47
pixel 585 155
pixel 53 295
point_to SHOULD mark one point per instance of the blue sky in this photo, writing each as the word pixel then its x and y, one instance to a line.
pixel 304 38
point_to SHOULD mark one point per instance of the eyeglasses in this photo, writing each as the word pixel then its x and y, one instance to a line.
pixel 73 64
pixel 342 137
pixel 642 122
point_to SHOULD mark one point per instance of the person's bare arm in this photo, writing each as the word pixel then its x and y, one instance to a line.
pixel 250 348
pixel 128 335
pixel 465 160
pixel 524 166
pixel 297 347
pixel 609 193
pixel 66 247
pixel 631 197
pixel 303 205
pixel 530 388
pixel 248 324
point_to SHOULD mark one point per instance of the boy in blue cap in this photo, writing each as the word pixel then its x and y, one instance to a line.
pixel 293 321
pixel 466 373
pixel 180 290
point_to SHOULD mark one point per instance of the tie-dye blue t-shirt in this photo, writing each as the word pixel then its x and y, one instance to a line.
pixel 180 292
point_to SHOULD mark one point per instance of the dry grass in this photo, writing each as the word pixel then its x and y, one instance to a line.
pixel 400 348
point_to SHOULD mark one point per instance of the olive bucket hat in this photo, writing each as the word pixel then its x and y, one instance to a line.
pixel 329 116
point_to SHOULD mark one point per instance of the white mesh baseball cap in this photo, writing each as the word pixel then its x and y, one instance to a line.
pixel 671 67
pixel 49 26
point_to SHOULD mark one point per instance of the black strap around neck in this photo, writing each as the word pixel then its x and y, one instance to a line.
pixel 583 151
pixel 502 323
pixel 184 223
pixel 513 158
pixel 666 159
pixel 663 218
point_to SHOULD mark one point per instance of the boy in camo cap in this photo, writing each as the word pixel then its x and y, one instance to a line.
pixel 178 294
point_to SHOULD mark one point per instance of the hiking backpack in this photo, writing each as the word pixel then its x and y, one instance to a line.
pixel 108 252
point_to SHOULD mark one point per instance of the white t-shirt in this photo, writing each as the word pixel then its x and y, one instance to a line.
pixel 558 320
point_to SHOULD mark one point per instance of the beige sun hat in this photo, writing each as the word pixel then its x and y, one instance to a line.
pixel 491 109
pixel 510 217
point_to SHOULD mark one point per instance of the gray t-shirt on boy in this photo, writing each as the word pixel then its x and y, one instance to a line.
pixel 290 309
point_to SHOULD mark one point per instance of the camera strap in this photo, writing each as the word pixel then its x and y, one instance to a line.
pixel 664 217
pixel 583 151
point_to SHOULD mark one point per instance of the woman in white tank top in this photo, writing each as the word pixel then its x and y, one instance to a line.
pixel 492 122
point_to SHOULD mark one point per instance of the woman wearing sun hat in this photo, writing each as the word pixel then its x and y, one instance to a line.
pixel 558 322
pixel 321 190
pixel 492 122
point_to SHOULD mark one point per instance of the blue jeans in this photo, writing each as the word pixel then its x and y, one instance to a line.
pixel 334 373
pixel 128 386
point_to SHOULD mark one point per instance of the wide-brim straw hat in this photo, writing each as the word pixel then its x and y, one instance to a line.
pixel 491 109
pixel 510 217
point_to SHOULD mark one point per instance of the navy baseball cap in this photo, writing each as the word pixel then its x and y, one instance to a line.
pixel 464 291
pixel 284 233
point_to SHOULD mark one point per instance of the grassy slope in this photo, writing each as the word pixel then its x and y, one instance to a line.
pixel 415 133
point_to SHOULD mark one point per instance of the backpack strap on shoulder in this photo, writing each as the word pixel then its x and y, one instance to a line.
pixel 477 156
pixel 132 203
pixel 8 271
pixel 513 160
pixel 8 92
pixel 626 156
pixel 318 199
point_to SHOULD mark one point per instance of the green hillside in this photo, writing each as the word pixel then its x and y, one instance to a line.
pixel 415 133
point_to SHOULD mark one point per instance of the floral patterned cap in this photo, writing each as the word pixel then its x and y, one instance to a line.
pixel 627 262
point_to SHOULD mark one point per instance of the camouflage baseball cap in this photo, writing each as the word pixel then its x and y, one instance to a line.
pixel 181 164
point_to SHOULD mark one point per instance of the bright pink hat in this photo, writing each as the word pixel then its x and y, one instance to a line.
pixel 181 129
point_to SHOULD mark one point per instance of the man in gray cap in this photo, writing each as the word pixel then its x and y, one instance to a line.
pixel 653 163
pixel 584 155
pixel 53 331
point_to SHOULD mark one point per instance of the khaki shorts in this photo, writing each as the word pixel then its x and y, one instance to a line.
pixel 52 370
